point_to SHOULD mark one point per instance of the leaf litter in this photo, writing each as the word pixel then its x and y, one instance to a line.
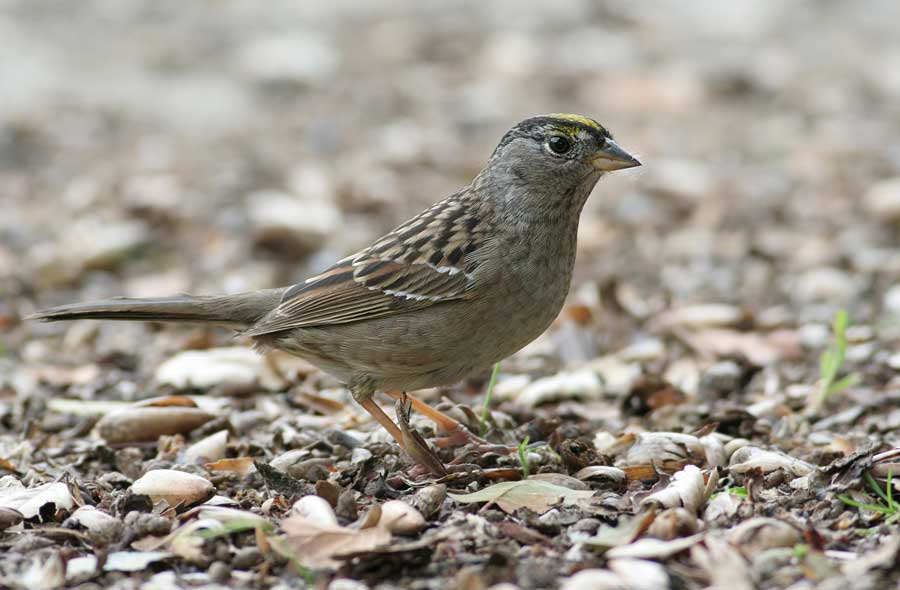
pixel 716 407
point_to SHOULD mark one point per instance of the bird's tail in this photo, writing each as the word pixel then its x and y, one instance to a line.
pixel 239 310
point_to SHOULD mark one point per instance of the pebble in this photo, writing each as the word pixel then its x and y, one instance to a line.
pixel 315 509
pixel 302 57
pixel 92 244
pixel 882 199
pixel 294 225
pixel 723 377
pixel 346 584
pixel 220 572
pixel 824 285
pixel 206 450
pixel 891 300
pixel 177 488
pixel 148 423
pixel 683 179
pixel 400 518
pixel 758 534
pixel 581 384
pixel 202 369
pixel 246 557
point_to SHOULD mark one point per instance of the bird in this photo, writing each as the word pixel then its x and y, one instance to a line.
pixel 462 285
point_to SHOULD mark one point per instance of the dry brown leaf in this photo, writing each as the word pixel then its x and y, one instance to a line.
pixel 30 501
pixel 655 548
pixel 66 376
pixel 628 529
pixel 688 489
pixel 723 564
pixel 758 348
pixel 148 423
pixel 539 496
pixel 239 465
pixel 318 403
pixel 167 401
pixel 316 545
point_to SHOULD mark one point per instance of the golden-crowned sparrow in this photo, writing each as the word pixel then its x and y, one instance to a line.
pixel 467 282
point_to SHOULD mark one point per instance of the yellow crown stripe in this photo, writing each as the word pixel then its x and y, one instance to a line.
pixel 576 119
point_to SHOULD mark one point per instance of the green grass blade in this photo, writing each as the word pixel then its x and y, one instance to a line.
pixel 864 506
pixel 875 487
pixel 523 458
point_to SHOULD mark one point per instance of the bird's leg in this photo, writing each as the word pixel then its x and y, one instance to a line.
pixel 413 442
pixel 406 438
pixel 376 412
pixel 457 434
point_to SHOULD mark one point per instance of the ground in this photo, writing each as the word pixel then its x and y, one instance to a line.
pixel 717 405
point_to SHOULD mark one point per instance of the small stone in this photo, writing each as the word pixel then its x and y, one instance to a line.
pixel 891 300
pixel 299 58
pixel 591 579
pixel 202 369
pixel 315 509
pixel 219 571
pixel 581 384
pixel 93 244
pixel 177 488
pixel 882 200
pixel 99 524
pixel 722 378
pixel 687 180
pixel 209 449
pixel 893 361
pixel 148 423
pixel 758 534
pixel 9 517
pixel 400 518
pixel 814 336
pixel 292 223
pixel 246 557
pixel 824 285
pixel 346 584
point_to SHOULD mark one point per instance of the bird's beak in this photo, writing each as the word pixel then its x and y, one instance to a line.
pixel 611 157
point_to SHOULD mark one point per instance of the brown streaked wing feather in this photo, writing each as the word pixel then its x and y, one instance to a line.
pixel 338 297
pixel 427 260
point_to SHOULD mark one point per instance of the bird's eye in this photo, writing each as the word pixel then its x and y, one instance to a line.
pixel 559 144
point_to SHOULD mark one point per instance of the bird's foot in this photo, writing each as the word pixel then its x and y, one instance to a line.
pixel 457 435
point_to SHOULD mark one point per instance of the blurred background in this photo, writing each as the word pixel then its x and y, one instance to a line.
pixel 155 147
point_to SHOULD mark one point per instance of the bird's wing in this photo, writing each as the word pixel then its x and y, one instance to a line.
pixel 428 260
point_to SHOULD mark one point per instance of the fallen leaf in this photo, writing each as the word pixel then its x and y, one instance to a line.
pixel 29 501
pixel 687 489
pixel 239 465
pixel 80 407
pixel 749 458
pixel 723 564
pixel 628 530
pixel 317 545
pixel 535 495
pixel 145 423
pixel 759 348
pixel 654 548
pixel 133 561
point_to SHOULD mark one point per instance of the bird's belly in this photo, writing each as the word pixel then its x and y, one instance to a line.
pixel 415 351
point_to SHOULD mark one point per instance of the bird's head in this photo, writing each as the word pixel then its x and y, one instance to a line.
pixel 557 154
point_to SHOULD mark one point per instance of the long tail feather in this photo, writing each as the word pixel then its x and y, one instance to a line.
pixel 239 310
